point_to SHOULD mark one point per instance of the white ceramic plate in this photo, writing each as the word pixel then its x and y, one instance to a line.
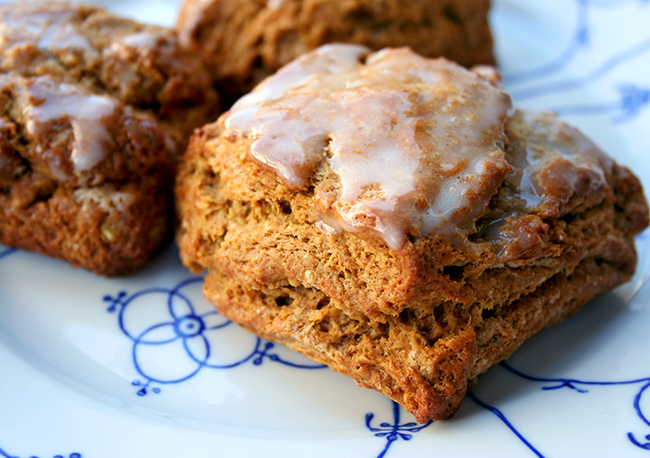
pixel 143 366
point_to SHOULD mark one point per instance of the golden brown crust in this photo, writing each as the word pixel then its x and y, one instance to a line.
pixel 94 110
pixel 400 358
pixel 362 308
pixel 86 232
pixel 109 218
pixel 140 65
pixel 244 41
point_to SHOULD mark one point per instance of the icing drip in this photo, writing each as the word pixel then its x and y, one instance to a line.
pixel 553 164
pixel 44 100
pixel 105 197
pixel 275 4
pixel 540 143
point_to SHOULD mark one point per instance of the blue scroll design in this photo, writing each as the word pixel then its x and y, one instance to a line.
pixel 4 454
pixel 393 431
pixel 182 326
pixel 633 96
pixel 507 422
pixel 593 75
pixel 580 38
pixel 4 252
pixel 631 101
pixel 581 386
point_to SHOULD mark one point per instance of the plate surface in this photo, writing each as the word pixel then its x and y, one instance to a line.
pixel 143 366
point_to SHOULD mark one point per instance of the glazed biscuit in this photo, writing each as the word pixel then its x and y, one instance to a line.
pixel 392 216
pixel 94 112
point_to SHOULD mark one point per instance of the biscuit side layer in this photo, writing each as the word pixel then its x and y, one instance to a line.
pixel 238 217
pixel 417 324
pixel 428 378
pixel 91 234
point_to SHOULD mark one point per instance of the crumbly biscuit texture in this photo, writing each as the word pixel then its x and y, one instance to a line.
pixel 83 177
pixel 541 222
pixel 244 41
pixel 94 112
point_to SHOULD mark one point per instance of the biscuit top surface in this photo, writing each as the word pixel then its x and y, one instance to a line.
pixel 54 28
pixel 141 65
pixel 552 161
pixel 70 135
pixel 24 23
pixel 33 32
pixel 416 144
pixel 556 170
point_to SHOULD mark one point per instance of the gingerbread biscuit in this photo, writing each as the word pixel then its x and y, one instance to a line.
pixel 94 112
pixel 244 41
pixel 391 216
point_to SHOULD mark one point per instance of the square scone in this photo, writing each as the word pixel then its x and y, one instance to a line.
pixel 393 217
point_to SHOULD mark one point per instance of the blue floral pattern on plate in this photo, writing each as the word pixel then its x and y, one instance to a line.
pixel 394 431
pixel 187 329
pixel 185 324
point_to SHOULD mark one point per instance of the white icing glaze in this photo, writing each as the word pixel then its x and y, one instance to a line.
pixel 539 139
pixel 414 142
pixel 150 39
pixel 553 162
pixel 47 31
pixel 63 37
pixel 274 4
pixel 512 235
pixel 142 40
pixel 45 100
